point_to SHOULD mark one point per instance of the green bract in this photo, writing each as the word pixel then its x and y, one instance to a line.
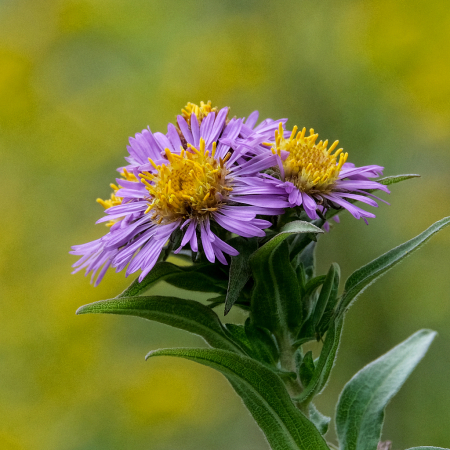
pixel 273 279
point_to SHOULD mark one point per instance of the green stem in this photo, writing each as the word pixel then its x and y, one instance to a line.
pixel 287 363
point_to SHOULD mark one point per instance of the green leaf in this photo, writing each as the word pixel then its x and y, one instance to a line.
pixel 295 227
pixel 239 335
pixel 324 364
pixel 318 419
pixel 187 315
pixel 322 327
pixel 307 258
pixel 264 347
pixel 366 275
pixel 240 271
pixel 263 393
pixel 326 294
pixel 306 369
pixel 159 273
pixel 387 181
pixel 360 409
pixel 276 298
pixel 427 448
pixel 194 280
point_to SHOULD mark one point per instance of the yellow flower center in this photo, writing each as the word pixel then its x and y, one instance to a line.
pixel 114 200
pixel 192 185
pixel 309 166
pixel 200 111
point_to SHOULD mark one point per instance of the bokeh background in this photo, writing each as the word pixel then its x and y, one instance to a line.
pixel 78 77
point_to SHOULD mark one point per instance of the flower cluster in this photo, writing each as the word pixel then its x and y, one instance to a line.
pixel 210 177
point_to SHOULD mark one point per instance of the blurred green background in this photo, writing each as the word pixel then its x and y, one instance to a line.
pixel 78 77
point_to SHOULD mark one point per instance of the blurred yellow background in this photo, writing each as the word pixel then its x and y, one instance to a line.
pixel 78 77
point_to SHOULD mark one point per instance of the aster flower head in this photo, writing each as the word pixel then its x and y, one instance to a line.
pixel 183 182
pixel 319 178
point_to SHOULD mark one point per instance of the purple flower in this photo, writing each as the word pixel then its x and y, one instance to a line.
pixel 319 178
pixel 188 179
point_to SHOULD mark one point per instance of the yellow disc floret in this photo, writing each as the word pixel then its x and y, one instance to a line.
pixel 192 185
pixel 309 166
pixel 114 200
pixel 200 111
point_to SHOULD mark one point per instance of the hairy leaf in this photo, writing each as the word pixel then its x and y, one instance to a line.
pixel 324 364
pixel 240 271
pixel 306 369
pixel 294 227
pixel 276 298
pixel 262 342
pixel 427 448
pixel 360 410
pixel 326 294
pixel 264 394
pixel 366 275
pixel 187 315
pixel 318 419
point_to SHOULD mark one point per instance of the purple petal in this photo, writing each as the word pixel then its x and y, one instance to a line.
pixel 184 127
pixel 309 205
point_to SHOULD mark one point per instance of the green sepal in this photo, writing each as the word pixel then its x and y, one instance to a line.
pixel 318 419
pixel 240 271
pixel 263 343
pixel 360 409
pixel 263 393
pixel 187 315
pixel 306 369
pixel 366 275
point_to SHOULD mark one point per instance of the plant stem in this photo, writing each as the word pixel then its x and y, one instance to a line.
pixel 287 363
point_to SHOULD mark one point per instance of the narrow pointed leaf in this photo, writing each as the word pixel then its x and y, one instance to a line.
pixel 240 271
pixel 427 448
pixel 360 410
pixel 332 301
pixel 193 280
pixel 324 364
pixel 326 292
pixel 306 369
pixel 239 335
pixel 307 258
pixel 387 181
pixel 264 394
pixel 180 313
pixel 263 344
pixel 367 274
